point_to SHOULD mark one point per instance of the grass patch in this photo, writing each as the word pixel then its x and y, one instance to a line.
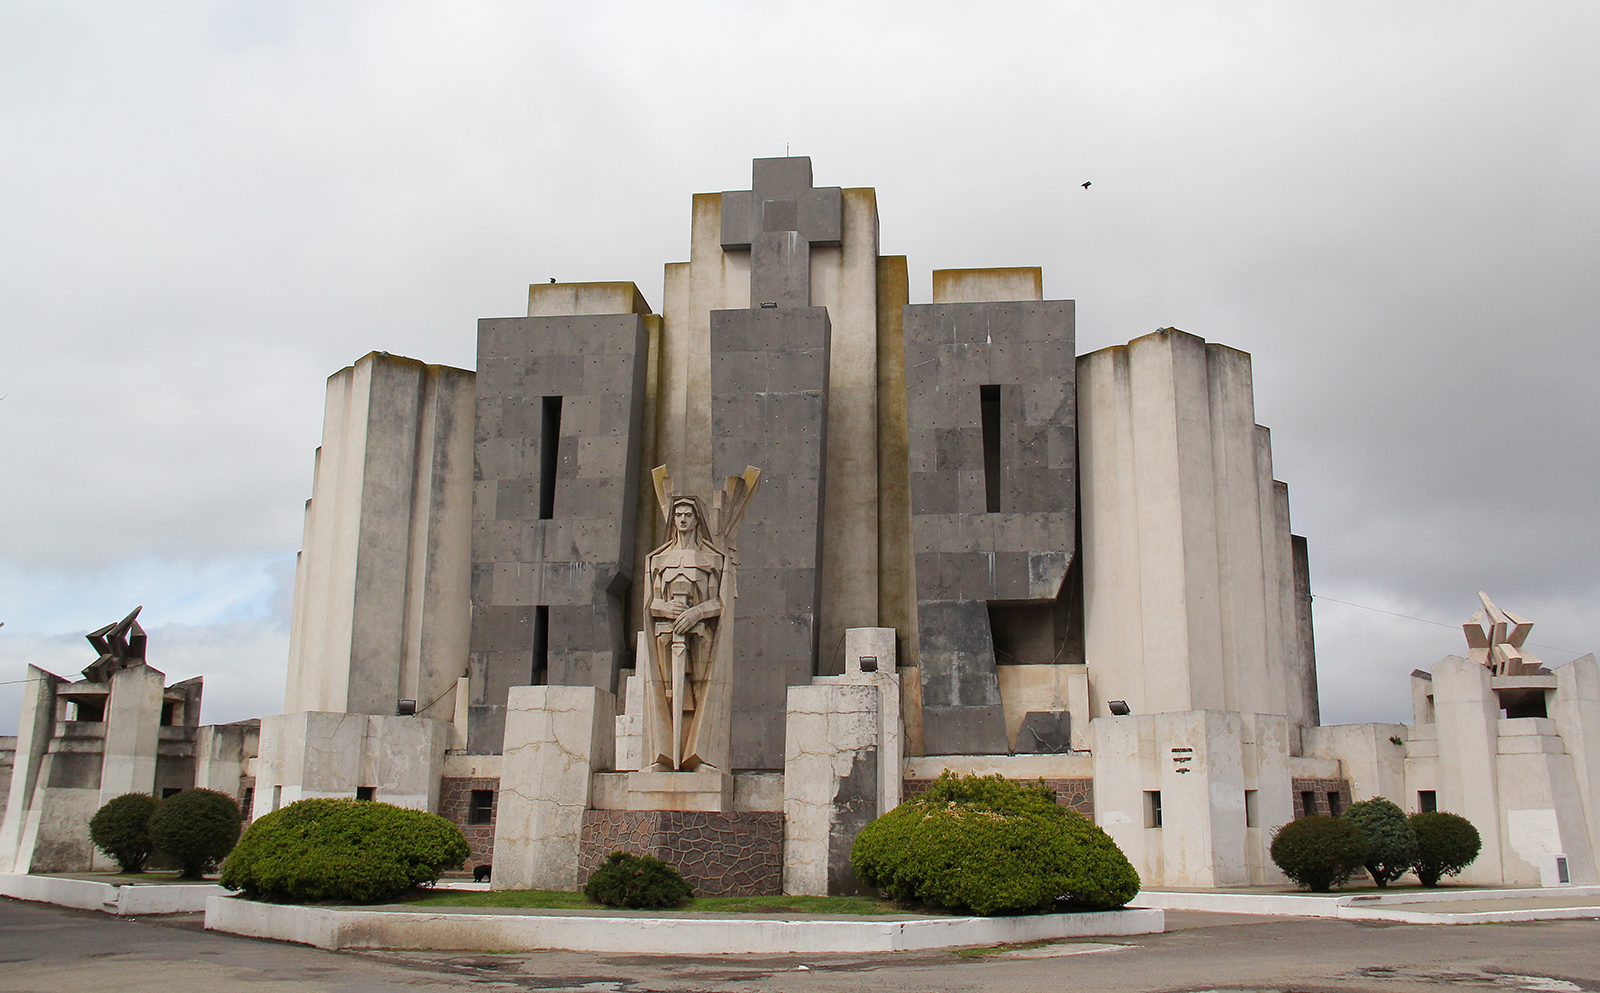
pixel 561 900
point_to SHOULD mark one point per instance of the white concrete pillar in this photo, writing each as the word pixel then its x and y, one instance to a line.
pixel 133 731
pixel 1467 713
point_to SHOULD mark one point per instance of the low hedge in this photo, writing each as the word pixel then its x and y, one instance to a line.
pixel 337 849
pixel 196 829
pixel 1446 844
pixel 121 829
pixel 1319 852
pixel 638 882
pixel 992 846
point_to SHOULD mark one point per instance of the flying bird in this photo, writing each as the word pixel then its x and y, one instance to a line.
pixel 1086 184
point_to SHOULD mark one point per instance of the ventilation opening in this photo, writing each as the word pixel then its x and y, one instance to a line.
pixel 1562 875
pixel 549 442
pixel 366 792
pixel 1308 803
pixel 482 809
pixel 1427 801
pixel 87 710
pixel 167 791
pixel 541 645
pixel 1152 808
pixel 1252 818
pixel 169 713
pixel 989 400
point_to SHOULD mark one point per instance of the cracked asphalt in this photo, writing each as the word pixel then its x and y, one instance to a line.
pixel 47 949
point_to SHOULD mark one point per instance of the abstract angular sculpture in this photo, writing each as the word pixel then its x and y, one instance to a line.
pixel 121 646
pixel 690 606
pixel 1499 646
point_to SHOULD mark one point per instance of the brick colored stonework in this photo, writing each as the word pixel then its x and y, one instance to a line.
pixel 1321 787
pixel 1075 793
pixel 720 854
pixel 455 803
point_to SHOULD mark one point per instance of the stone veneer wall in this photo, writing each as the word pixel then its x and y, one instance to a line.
pixel 1075 793
pixel 455 803
pixel 1321 787
pixel 720 854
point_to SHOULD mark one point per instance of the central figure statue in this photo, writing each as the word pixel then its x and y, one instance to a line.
pixel 689 614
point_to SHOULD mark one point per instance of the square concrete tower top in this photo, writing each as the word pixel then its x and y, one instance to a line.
pixel 988 285
pixel 585 299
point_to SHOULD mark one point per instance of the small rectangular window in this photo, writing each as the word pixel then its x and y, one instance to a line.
pixel 1333 803
pixel 1308 803
pixel 247 803
pixel 1427 801
pixel 169 713
pixel 482 809
pixel 989 402
pixel 87 710
pixel 1562 875
pixel 366 792
pixel 541 645
pixel 277 797
pixel 1152 808
pixel 549 445
pixel 1251 817
pixel 167 791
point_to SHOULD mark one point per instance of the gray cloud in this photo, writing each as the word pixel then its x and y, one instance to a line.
pixel 212 207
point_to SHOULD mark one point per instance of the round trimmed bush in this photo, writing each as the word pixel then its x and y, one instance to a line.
pixel 196 829
pixel 1392 844
pixel 121 829
pixel 1319 852
pixel 637 881
pixel 341 849
pixel 1446 844
pixel 992 846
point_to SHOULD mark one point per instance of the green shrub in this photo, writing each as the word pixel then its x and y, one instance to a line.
pixel 1392 844
pixel 357 850
pixel 1446 844
pixel 637 881
pixel 992 846
pixel 121 829
pixel 196 829
pixel 1318 852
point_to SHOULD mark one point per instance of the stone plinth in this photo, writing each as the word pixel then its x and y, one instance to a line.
pixel 719 853
pixel 831 781
pixel 680 791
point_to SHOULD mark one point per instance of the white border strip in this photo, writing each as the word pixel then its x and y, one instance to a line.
pixel 129 899
pixel 353 928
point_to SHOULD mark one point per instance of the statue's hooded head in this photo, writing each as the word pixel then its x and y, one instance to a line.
pixel 688 522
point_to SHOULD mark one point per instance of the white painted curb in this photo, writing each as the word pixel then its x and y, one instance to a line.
pixel 129 899
pixel 355 928
pixel 1376 906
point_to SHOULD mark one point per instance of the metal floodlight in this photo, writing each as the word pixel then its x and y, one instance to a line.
pixel 869 663
pixel 408 708
pixel 1119 708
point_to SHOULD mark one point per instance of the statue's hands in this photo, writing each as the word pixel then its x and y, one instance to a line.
pixel 686 620
pixel 667 608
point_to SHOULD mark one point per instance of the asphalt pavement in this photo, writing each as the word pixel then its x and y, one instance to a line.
pixel 48 949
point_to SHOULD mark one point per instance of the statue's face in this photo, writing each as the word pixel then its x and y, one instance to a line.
pixel 683 518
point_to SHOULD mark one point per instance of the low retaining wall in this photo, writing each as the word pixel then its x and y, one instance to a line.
pixel 1389 906
pixel 130 899
pixel 654 935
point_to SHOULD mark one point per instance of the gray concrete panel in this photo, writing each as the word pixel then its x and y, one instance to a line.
pixel 979 540
pixel 769 387
pixel 564 544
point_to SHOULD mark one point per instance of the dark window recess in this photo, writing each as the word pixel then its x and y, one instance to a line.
pixel 170 791
pixel 989 400
pixel 89 711
pixel 482 809
pixel 541 645
pixel 247 804
pixel 366 792
pixel 1152 808
pixel 1308 803
pixel 168 713
pixel 1252 817
pixel 1427 801
pixel 1334 807
pixel 549 444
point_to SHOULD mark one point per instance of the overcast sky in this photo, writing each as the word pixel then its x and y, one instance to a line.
pixel 207 208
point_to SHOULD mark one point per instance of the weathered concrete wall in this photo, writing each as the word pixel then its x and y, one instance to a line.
pixel 559 428
pixel 380 606
pixel 307 754
pixel 993 495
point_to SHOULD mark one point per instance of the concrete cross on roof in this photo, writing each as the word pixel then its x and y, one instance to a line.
pixel 780 219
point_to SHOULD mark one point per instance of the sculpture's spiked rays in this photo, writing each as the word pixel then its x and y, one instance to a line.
pixel 1495 638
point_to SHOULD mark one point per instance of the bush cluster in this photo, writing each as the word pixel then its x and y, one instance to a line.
pixel 1322 852
pixel 992 846
pixel 1391 841
pixel 121 829
pixel 638 882
pixel 339 849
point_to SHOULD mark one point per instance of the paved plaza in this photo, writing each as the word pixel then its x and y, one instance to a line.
pixel 55 950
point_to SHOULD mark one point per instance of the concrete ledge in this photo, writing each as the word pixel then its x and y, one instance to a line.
pixel 335 928
pixel 130 899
